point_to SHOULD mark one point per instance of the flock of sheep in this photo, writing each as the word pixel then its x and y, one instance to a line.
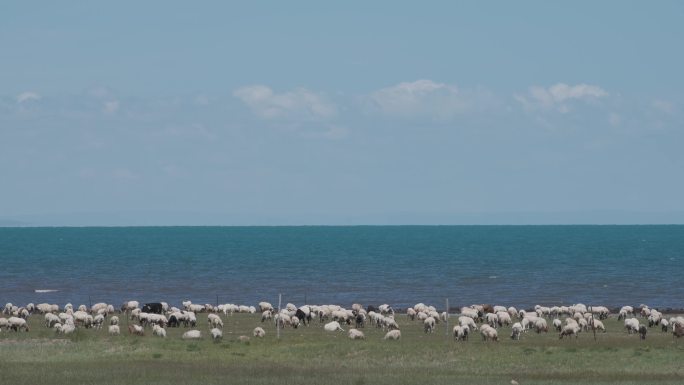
pixel 568 321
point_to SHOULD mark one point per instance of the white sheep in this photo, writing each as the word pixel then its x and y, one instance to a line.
pixel 192 335
pixel 356 334
pixel 159 331
pixel 4 323
pixel 215 321
pixel 489 333
pixel 114 320
pixel 136 330
pixel 411 313
pixel 557 324
pixel 540 325
pixel 504 318
pixel 516 331
pixel 467 321
pixel 513 312
pixel 294 322
pixel 16 324
pixel 429 325
pixel 598 325
pixel 664 324
pixel 114 330
pixel 392 335
pixel 68 328
pixel 51 320
pixel 492 319
pixel 129 306
pixel 98 321
pixel 333 327
pixel 461 333
pixel 259 332
pixel 263 306
pixel 632 325
pixel 571 329
pixel 390 323
pixel 216 334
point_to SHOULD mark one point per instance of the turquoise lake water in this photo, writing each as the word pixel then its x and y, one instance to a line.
pixel 399 265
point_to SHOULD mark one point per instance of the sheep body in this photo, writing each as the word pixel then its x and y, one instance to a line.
pixel 392 335
pixel 192 335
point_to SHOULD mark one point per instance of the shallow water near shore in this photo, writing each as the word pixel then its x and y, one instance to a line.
pixel 400 265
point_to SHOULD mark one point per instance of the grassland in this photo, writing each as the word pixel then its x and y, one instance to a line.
pixel 309 355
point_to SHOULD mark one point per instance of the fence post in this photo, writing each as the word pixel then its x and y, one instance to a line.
pixel 447 319
pixel 280 299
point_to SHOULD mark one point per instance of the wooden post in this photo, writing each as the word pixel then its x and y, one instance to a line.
pixel 447 319
pixel 280 299
pixel 591 320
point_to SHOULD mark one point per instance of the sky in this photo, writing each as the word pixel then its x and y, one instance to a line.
pixel 304 113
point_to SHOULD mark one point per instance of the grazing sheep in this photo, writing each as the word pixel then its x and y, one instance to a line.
pixel 429 325
pixel 215 321
pixel 642 331
pixel 192 335
pixel 664 324
pixel 129 306
pixel 16 324
pixel 504 318
pixel 263 306
pixel 598 325
pixel 244 339
pixel 51 320
pixel 216 334
pixel 294 322
pixel 540 325
pixel 492 319
pixel 632 325
pixel 516 331
pixel 333 327
pixel 571 329
pixel 624 312
pixel 677 330
pixel 557 324
pixel 489 333
pixel 259 332
pixel 461 333
pixel 4 323
pixel 411 313
pixel 356 334
pixel 136 330
pixel 69 328
pixel 98 321
pixel 114 320
pixel 468 322
pixel 159 331
pixel 392 335
pixel 266 315
pixel 114 330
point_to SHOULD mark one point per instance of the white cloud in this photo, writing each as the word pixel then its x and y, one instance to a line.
pixel 111 107
pixel 297 104
pixel 27 96
pixel 663 106
pixel 614 119
pixel 420 98
pixel 559 95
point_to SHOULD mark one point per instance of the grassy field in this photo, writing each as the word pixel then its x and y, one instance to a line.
pixel 309 355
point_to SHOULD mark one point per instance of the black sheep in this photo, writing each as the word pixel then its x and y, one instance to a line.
pixel 154 307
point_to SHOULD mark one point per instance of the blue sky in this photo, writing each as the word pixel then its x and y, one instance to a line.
pixel 311 113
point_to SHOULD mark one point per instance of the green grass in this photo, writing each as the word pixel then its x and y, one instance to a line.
pixel 312 356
